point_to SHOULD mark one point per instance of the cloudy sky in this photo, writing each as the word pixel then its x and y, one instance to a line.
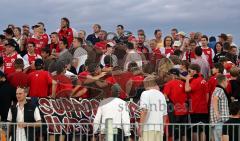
pixel 211 17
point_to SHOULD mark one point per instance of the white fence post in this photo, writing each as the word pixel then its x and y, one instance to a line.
pixel 109 129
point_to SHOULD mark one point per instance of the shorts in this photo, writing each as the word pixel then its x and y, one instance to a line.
pixel 152 136
pixel 183 119
pixel 197 119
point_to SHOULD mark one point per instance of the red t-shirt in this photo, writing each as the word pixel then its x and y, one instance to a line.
pixel 9 63
pixel 32 58
pixel 44 38
pixel 111 81
pixel 175 91
pixel 137 81
pixel 18 79
pixel 122 79
pixel 169 50
pixel 143 50
pixel 101 45
pixel 67 33
pixel 208 52
pixel 39 82
pixel 155 56
pixel 198 95
pixel 82 77
pixel 64 86
pixel 190 55
pixel 54 46
pixel 39 44
pixel 212 83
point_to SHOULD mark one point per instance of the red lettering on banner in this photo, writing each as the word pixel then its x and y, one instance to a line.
pixel 75 116
pixel 58 106
pixel 95 105
pixel 45 106
pixel 54 126
pixel 77 107
pixel 87 108
pixel 67 104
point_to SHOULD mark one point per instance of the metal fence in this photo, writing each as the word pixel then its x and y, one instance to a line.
pixel 84 132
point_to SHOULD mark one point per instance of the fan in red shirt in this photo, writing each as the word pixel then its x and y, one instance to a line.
pixel 141 48
pixel 40 81
pixel 37 39
pixel 101 45
pixel 18 78
pixel 85 78
pixel 43 34
pixel 110 80
pixel 197 89
pixel 136 81
pixel 66 31
pixel 190 54
pixel 167 49
pixel 10 56
pixel 64 84
pixel 119 77
pixel 156 55
pixel 209 53
pixel 94 81
pixel 174 90
pixel 31 56
pixel 212 82
pixel 54 45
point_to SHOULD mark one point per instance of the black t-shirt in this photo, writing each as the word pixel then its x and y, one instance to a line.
pixel 233 131
pixel 235 84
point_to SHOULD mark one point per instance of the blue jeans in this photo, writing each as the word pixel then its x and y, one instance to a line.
pixel 217 131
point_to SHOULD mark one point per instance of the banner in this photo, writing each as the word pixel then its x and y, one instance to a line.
pixel 67 116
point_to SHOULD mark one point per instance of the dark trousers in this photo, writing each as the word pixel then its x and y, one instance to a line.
pixel 119 136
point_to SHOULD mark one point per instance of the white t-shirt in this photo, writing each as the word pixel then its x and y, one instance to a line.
pixel 116 109
pixel 154 101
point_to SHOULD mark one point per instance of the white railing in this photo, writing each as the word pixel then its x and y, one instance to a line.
pixel 84 132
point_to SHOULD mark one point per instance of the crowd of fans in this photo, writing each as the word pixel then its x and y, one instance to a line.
pixel 198 75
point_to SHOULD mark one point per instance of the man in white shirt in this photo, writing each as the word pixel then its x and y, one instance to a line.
pixel 22 113
pixel 116 109
pixel 154 111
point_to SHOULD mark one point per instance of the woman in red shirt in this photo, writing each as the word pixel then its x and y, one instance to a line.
pixel 168 49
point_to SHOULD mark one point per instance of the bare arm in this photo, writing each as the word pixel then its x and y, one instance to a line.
pixel 78 93
pixel 91 79
pixel 225 138
pixel 54 88
pixel 128 87
pixel 143 116
pixel 187 86
pixel 215 106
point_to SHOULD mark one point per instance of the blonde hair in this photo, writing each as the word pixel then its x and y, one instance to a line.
pixel 149 81
pixel 164 65
pixel 234 71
